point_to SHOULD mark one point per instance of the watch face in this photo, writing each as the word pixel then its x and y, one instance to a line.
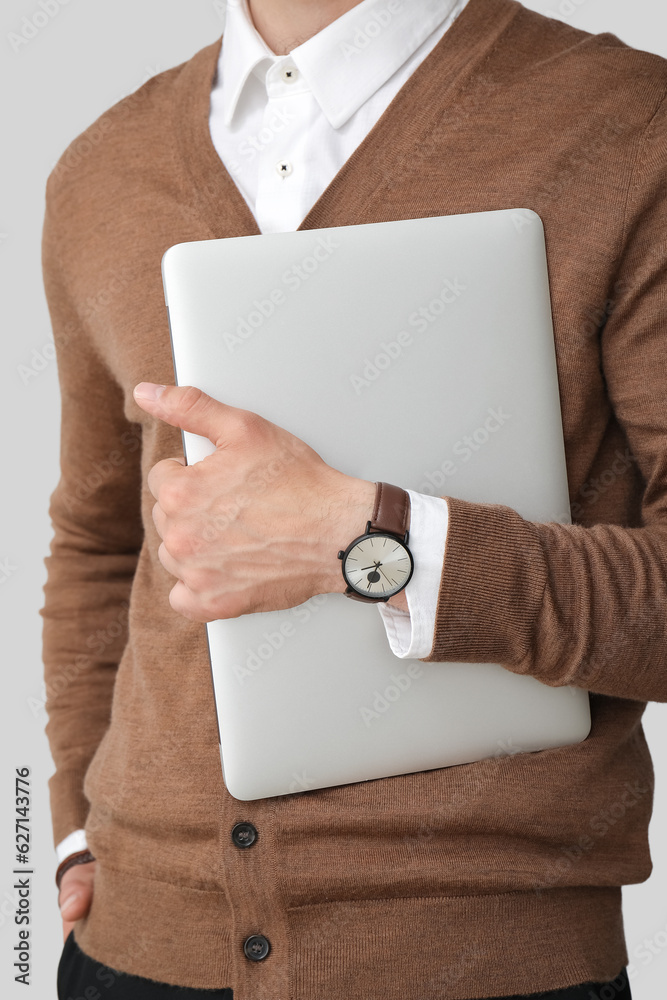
pixel 377 565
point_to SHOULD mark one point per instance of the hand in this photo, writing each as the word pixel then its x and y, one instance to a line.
pixel 256 525
pixel 76 894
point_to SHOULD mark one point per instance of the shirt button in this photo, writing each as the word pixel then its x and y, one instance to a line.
pixel 244 834
pixel 289 74
pixel 284 168
pixel 256 947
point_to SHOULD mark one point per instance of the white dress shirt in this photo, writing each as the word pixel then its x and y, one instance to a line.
pixel 284 126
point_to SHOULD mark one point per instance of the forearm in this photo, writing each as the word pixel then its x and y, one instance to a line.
pixel 97 534
pixel 567 604
pixel 84 632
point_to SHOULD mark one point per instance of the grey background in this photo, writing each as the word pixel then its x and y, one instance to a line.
pixel 88 56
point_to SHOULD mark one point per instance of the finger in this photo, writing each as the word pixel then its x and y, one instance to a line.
pixel 159 519
pixel 166 468
pixel 171 564
pixel 184 602
pixel 189 408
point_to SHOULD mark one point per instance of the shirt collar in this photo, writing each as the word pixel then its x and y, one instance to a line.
pixel 345 63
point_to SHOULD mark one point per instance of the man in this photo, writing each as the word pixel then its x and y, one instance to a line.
pixel 500 878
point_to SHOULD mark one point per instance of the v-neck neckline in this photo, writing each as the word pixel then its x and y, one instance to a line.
pixel 221 204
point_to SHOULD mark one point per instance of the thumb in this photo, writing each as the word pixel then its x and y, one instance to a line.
pixel 186 407
pixel 76 900
pixel 76 904
pixel 76 891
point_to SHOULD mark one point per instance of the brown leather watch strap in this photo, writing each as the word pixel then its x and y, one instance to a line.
pixel 392 509
pixel 391 513
pixel 78 858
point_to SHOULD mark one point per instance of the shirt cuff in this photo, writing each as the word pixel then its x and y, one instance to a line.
pixel 75 841
pixel 411 633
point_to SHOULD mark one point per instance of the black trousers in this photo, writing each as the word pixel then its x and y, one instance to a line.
pixel 81 977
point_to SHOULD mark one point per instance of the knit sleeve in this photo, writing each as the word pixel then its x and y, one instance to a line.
pixel 97 533
pixel 574 604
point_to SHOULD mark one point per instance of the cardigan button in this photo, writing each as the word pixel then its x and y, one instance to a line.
pixel 244 834
pixel 256 947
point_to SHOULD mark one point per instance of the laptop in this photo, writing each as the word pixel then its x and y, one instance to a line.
pixel 417 352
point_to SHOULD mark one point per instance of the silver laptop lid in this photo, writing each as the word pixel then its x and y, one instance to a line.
pixel 417 352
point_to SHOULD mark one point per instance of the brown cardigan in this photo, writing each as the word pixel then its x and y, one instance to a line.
pixel 491 878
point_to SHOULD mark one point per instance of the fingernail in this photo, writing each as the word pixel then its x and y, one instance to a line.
pixel 149 390
pixel 70 899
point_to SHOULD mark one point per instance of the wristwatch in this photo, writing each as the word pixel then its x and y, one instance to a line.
pixel 378 564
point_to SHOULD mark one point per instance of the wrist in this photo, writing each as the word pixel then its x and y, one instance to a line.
pixel 77 858
pixel 351 510
pixel 348 518
pixel 399 600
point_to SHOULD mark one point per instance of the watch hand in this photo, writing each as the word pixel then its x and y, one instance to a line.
pixel 374 566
